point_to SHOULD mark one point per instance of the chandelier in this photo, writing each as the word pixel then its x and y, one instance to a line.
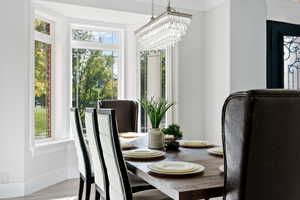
pixel 163 31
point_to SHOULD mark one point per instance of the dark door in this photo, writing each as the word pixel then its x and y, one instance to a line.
pixel 283 55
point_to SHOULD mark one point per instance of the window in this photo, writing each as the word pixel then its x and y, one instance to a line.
pixel 95 66
pixel 43 45
pixel 152 65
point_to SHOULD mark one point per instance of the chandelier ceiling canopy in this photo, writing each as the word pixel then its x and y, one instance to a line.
pixel 163 31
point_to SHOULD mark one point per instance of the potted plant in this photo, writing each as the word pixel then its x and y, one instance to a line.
pixel 156 110
pixel 173 130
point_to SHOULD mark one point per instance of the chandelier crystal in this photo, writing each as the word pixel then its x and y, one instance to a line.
pixel 163 31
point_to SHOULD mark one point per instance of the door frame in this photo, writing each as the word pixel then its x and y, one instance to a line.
pixel 275 59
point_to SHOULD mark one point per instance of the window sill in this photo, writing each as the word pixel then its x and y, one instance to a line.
pixel 51 146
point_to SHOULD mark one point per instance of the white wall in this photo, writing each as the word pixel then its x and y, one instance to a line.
pixel 53 162
pixel 248 45
pixel 217 68
pixel 25 167
pixel 283 11
pixel 190 80
pixel 13 89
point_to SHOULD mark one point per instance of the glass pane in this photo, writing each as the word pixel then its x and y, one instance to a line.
pixel 144 65
pixel 95 77
pixel 42 90
pixel 95 36
pixel 42 26
pixel 292 62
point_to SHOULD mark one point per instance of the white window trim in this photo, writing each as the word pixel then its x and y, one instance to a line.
pixel 48 39
pixel 102 46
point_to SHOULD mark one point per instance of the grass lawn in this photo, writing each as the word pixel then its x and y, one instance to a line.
pixel 40 122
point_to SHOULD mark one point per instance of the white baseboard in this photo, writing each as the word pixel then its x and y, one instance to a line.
pixel 11 190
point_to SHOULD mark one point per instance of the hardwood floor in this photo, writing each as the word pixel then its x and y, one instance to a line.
pixel 66 190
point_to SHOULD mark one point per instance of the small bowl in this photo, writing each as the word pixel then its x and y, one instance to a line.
pixel 172 146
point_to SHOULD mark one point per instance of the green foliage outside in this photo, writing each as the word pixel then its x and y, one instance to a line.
pixel 42 26
pixel 93 76
pixel 42 52
pixel 40 122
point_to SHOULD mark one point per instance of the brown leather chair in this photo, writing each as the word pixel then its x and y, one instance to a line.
pixel 261 135
pixel 126 111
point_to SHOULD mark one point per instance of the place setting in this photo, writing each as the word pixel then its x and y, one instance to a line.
pixel 143 154
pixel 132 135
pixel 195 144
pixel 175 168
pixel 216 151
pixel 127 145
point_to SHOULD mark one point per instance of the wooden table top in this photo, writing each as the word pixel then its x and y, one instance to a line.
pixel 205 185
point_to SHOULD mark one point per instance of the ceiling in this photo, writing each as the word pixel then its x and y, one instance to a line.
pixel 91 13
pixel 121 11
pixel 197 5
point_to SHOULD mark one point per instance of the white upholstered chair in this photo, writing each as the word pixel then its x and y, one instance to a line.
pixel 119 185
pixel 91 124
pixel 84 163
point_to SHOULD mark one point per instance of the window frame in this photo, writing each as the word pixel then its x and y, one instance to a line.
pixel 171 84
pixel 50 40
pixel 101 46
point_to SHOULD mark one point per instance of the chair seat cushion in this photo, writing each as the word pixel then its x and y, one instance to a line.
pixel 150 195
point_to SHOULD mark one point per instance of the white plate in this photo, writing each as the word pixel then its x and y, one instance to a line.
pixel 221 168
pixel 131 135
pixel 198 169
pixel 126 146
pixel 143 153
pixel 195 143
pixel 175 166
pixel 218 151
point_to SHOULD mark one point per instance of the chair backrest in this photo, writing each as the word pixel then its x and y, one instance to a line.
pixel 126 112
pixel 84 163
pixel 96 154
pixel 119 185
pixel 261 134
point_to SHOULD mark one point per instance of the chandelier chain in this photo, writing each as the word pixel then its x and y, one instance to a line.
pixel 152 17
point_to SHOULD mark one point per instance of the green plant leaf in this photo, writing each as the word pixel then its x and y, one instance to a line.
pixel 156 109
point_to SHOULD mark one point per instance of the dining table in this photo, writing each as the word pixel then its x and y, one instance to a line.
pixel 205 185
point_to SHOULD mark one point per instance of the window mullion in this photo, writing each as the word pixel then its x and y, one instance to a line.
pixel 94 45
pixel 43 38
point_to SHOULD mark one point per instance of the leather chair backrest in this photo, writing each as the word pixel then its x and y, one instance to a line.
pixel 126 113
pixel 261 135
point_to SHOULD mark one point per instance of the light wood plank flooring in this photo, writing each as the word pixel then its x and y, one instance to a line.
pixel 66 190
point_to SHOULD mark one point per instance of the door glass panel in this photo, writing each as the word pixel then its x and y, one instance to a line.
pixel 292 62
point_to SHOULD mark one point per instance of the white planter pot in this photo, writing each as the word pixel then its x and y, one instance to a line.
pixel 156 139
